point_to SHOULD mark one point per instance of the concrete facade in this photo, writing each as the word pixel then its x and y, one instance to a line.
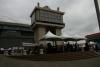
pixel 39 32
pixel 14 34
pixel 45 19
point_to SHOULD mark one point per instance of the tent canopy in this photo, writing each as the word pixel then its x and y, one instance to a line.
pixel 81 42
pixel 72 38
pixel 51 37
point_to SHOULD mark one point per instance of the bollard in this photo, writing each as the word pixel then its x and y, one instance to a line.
pixel 6 53
pixel 12 53
pixel 41 51
pixel 24 52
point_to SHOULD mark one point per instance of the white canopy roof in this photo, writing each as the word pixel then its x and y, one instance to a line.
pixel 78 36
pixel 2 49
pixel 91 42
pixel 66 36
pixel 51 36
pixel 72 42
pixel 81 42
pixel 72 38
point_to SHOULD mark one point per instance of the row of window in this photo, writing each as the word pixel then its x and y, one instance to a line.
pixel 16 33
pixel 47 16
pixel 49 19
pixel 50 15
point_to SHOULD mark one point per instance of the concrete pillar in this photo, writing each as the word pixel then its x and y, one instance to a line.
pixel 39 33
pixel 61 43
pixel 58 32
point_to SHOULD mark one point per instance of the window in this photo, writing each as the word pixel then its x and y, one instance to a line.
pixel 33 18
pixel 37 15
pixel 48 16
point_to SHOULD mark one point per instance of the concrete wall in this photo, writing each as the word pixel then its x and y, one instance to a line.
pixel 39 33
pixel 9 42
pixel 59 33
pixel 14 38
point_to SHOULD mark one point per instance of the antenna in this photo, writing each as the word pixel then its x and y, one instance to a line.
pixel 58 8
pixel 38 4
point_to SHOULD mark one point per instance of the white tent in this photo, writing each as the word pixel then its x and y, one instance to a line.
pixel 81 43
pixel 65 36
pixel 51 37
pixel 72 42
pixel 9 48
pixel 2 49
pixel 72 38
pixel 91 42
pixel 79 37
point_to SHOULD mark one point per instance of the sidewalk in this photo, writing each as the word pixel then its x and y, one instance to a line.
pixel 9 62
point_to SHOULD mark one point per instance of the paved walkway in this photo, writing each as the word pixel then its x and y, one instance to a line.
pixel 9 62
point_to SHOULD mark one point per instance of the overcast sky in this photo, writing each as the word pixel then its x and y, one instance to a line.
pixel 80 15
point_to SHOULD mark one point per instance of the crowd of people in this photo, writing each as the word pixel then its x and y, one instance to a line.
pixel 41 49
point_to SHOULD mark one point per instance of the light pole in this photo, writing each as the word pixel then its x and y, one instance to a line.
pixel 97 11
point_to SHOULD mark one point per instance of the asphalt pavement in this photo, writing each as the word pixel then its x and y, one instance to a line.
pixel 10 62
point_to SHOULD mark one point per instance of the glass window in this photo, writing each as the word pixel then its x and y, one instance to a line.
pixel 33 18
pixel 37 15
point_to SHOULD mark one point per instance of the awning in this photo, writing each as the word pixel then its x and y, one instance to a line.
pixel 94 37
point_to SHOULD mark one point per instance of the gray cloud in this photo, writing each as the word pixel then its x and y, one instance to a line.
pixel 80 16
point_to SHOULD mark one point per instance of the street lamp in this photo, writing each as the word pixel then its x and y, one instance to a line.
pixel 97 11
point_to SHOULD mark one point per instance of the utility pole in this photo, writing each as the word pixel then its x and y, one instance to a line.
pixel 97 11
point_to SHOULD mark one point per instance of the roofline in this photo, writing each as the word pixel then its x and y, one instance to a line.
pixel 91 35
pixel 14 24
pixel 38 8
